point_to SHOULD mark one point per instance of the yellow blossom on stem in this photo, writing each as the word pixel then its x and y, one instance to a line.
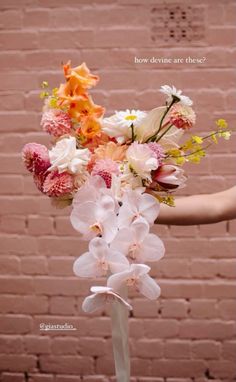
pixel 222 123
pixel 169 199
pixel 197 139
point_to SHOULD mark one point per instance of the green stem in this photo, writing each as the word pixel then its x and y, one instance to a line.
pixel 153 137
pixel 132 130
pixel 167 109
pixel 194 152
pixel 215 132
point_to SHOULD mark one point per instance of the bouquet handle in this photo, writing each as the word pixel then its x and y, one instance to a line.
pixel 120 340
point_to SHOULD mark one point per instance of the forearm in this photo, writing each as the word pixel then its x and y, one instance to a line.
pixel 200 209
pixel 189 210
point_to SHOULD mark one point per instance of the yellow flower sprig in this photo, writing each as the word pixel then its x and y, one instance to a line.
pixel 52 98
pixel 194 149
pixel 169 200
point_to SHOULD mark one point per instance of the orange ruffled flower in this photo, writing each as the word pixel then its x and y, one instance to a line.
pixel 90 127
pixel 85 108
pixel 112 151
pixel 70 92
pixel 92 143
pixel 81 74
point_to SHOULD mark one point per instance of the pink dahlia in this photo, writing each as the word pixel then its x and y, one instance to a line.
pixel 39 180
pixel 182 116
pixel 105 168
pixel 56 122
pixel 157 150
pixel 36 158
pixel 57 184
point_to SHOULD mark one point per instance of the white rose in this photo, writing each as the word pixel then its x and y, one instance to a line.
pixel 141 159
pixel 65 156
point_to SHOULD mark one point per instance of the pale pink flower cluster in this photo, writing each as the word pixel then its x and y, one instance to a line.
pixel 182 116
pixel 35 158
pixel 105 168
pixel 49 181
pixel 57 184
pixel 56 122
pixel 158 151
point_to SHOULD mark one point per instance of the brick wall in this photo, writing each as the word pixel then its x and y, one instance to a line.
pixel 188 334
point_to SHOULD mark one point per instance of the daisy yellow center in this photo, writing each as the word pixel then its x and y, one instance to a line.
pixel 131 117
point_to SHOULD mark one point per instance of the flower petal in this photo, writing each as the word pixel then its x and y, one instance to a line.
pixel 117 262
pixel 148 287
pixel 150 124
pixel 107 202
pixel 123 240
pixel 140 228
pixel 126 215
pixel 121 300
pixel 118 279
pixel 94 302
pixel 152 248
pixel 86 266
pixel 90 191
pixel 139 269
pixel 82 216
pixel 100 289
pixel 109 226
pixel 98 247
pixel 149 208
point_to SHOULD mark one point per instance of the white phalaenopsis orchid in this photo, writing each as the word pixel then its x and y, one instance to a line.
pixel 99 260
pixel 64 156
pixel 95 218
pixel 171 92
pixel 91 190
pixel 99 298
pixel 119 125
pixel 137 277
pixel 135 205
pixel 138 244
pixel 141 160
pixel 95 190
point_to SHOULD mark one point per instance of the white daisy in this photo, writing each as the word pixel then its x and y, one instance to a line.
pixel 119 125
pixel 173 92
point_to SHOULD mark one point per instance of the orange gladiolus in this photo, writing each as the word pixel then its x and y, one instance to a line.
pixel 71 91
pixel 92 143
pixel 85 108
pixel 90 126
pixel 82 75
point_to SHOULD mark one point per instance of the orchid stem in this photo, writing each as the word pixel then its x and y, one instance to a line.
pixel 120 339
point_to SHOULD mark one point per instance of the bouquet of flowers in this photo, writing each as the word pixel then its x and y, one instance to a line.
pixel 115 172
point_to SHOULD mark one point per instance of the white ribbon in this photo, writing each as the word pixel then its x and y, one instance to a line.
pixel 120 339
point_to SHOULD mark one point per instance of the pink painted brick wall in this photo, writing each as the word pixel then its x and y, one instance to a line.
pixel 189 333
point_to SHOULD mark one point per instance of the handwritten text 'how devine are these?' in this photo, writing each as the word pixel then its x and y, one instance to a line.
pixel 162 60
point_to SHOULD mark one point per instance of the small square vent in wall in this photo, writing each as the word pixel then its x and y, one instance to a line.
pixel 174 23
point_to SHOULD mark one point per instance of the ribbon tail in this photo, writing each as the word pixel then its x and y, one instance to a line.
pixel 120 341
